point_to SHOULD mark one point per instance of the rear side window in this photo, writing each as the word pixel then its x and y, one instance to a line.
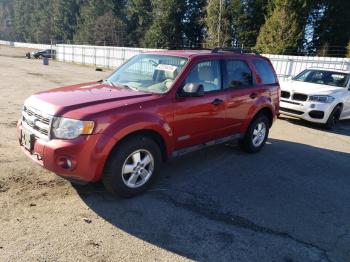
pixel 265 71
pixel 238 74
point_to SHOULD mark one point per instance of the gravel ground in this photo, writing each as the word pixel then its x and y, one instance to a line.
pixel 288 203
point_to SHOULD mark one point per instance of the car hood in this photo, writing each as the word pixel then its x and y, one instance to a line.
pixel 308 88
pixel 61 100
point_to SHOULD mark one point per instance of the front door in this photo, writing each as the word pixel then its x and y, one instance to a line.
pixel 201 119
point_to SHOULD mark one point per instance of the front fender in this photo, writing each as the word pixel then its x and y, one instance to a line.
pixel 118 130
pixel 140 122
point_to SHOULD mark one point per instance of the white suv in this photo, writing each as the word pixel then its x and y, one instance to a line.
pixel 317 95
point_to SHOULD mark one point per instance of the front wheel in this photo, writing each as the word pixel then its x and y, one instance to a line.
pixel 256 135
pixel 333 118
pixel 132 167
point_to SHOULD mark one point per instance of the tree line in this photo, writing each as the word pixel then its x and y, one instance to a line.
pixel 309 27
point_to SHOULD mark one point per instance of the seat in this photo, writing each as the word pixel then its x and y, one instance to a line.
pixel 207 79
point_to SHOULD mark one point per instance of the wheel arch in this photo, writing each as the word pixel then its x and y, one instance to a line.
pixel 151 133
pixel 265 111
pixel 341 104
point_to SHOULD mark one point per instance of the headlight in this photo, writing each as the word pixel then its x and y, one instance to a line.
pixel 65 128
pixel 322 99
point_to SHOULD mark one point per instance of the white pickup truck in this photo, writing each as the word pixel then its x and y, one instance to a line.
pixel 317 95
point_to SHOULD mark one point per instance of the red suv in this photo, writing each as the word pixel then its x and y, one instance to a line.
pixel 155 106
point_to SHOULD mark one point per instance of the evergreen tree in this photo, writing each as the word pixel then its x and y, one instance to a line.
pixel 193 23
pixel 139 19
pixel 23 19
pixel 218 23
pixel 7 29
pixel 41 22
pixel 247 18
pixel 166 30
pixel 64 18
pixel 107 30
pixel 332 28
pixel 277 26
pixel 91 11
pixel 282 31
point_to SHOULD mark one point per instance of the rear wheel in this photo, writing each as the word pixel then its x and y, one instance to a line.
pixel 256 135
pixel 333 118
pixel 132 167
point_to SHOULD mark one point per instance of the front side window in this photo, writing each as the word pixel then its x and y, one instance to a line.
pixel 323 77
pixel 238 74
pixel 148 73
pixel 265 71
pixel 207 74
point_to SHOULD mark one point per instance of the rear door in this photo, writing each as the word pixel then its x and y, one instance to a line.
pixel 242 93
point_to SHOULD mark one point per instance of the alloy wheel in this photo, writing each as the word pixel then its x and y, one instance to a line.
pixel 259 134
pixel 138 168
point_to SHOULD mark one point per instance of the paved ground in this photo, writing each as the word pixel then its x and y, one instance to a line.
pixel 291 202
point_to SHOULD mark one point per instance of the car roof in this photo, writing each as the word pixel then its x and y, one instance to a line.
pixel 200 53
pixel 330 70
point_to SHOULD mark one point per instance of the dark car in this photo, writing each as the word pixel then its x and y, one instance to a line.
pixel 155 106
pixel 47 53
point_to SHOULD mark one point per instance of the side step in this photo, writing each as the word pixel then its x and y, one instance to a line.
pixel 190 149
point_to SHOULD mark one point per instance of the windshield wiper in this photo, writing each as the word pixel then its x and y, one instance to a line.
pixel 128 87
pixel 109 82
pixel 120 85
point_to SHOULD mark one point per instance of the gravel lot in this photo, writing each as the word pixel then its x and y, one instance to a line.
pixel 291 202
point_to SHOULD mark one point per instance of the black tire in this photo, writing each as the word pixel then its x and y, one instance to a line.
pixel 247 143
pixel 113 177
pixel 333 118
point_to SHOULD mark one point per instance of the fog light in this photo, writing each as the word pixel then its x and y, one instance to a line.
pixel 313 106
pixel 65 163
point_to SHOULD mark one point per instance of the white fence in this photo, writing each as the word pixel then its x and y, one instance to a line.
pixel 104 56
pixel 112 57
pixel 26 45
pixel 286 66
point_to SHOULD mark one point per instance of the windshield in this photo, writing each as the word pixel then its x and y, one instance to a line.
pixel 323 77
pixel 148 72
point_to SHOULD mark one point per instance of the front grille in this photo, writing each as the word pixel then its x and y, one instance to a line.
pixel 285 94
pixel 39 124
pixel 299 97
pixel 292 111
pixel 30 112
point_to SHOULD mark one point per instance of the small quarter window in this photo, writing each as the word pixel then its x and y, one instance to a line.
pixel 265 72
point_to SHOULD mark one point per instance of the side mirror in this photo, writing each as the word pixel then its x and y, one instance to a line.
pixel 192 90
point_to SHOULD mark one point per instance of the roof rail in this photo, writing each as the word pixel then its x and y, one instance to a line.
pixel 233 50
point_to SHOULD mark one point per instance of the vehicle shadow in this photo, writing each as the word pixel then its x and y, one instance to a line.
pixel 342 128
pixel 221 204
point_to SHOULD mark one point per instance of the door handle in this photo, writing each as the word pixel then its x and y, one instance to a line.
pixel 253 95
pixel 217 102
